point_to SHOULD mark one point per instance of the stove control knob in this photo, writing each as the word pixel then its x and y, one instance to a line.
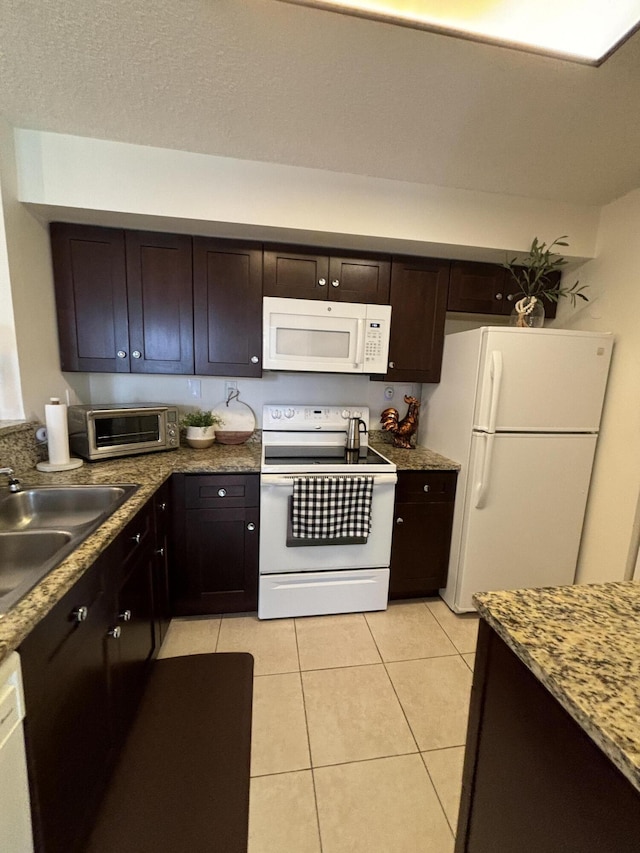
pixel 289 413
pixel 276 414
pixel 346 413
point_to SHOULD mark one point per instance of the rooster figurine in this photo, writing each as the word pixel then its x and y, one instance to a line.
pixel 404 429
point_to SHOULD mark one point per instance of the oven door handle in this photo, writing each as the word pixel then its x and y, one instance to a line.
pixel 287 479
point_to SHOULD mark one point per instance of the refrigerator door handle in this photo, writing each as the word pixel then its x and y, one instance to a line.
pixel 482 486
pixel 496 382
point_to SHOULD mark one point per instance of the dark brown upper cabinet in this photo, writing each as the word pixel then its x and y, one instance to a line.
pixel 124 300
pixel 159 291
pixel 476 288
pixel 91 298
pixel 418 308
pixel 302 273
pixel 227 294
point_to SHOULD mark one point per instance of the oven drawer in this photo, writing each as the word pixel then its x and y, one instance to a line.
pixel 221 490
pixel 322 593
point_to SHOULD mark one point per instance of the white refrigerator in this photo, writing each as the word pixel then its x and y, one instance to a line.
pixel 520 410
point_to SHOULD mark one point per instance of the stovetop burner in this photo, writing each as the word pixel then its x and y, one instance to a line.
pixel 310 457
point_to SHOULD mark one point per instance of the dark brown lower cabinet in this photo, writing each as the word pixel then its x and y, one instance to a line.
pixel 162 558
pixel 67 725
pixel 533 781
pixel 421 532
pixel 84 667
pixel 215 566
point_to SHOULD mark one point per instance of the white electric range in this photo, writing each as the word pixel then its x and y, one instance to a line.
pixel 309 442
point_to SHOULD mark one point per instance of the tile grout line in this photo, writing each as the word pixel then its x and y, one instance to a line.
pixel 218 632
pixel 424 763
pixel 393 687
pixel 306 723
pixel 435 789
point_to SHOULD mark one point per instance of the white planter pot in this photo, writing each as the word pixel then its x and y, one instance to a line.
pixel 200 437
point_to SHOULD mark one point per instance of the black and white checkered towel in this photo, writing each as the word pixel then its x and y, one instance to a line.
pixel 331 507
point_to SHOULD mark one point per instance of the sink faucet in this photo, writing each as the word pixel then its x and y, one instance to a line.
pixel 14 483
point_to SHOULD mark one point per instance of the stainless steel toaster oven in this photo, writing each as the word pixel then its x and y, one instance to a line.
pixel 106 431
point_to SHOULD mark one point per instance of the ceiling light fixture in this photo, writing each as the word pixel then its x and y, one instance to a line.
pixel 586 31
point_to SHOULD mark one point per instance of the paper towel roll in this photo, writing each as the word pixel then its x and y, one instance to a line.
pixel 55 415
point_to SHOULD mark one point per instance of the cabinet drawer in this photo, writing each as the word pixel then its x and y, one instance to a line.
pixel 426 486
pixel 139 532
pixel 221 490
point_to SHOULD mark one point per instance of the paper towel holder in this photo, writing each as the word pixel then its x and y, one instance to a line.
pixel 71 463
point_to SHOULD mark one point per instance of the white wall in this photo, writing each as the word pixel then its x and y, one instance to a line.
pixel 330 389
pixel 221 195
pixel 31 304
pixel 610 538
pixel 11 407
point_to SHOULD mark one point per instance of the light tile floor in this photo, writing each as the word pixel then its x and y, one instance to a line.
pixel 359 724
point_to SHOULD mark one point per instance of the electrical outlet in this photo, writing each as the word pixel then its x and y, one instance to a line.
pixel 388 393
pixel 230 385
pixel 195 388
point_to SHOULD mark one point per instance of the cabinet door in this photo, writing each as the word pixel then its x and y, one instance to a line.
pixel 161 564
pixel 91 298
pixel 221 560
pixel 130 642
pixel 296 272
pixel 228 307
pixel 159 287
pixel 67 730
pixel 422 532
pixel 478 288
pixel 418 310
pixel 359 280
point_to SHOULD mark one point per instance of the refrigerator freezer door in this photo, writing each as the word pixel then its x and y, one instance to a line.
pixel 547 380
pixel 520 520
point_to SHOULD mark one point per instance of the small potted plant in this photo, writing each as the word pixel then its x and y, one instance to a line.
pixel 200 426
pixel 537 277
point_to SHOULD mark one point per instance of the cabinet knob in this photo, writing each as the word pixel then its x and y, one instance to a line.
pixel 121 353
pixel 399 520
pixel 80 614
pixel 322 282
pixel 222 493
pixel 125 616
pixel 114 633
pixel 426 487
pixel 498 296
pixel 137 538
pixel 392 364
pixel 510 297
pixel 251 526
pixel 162 507
pixel 254 359
pixel 335 282
pixel 136 353
pixel 160 552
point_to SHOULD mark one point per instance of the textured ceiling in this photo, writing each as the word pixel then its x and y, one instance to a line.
pixel 265 80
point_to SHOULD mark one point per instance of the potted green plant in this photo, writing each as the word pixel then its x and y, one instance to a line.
pixel 200 427
pixel 537 277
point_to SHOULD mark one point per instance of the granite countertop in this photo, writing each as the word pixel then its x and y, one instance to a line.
pixel 147 471
pixel 416 459
pixel 583 644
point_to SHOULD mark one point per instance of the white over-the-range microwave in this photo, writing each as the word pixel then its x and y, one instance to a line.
pixel 328 337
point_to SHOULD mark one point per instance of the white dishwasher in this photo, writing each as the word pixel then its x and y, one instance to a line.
pixel 15 810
